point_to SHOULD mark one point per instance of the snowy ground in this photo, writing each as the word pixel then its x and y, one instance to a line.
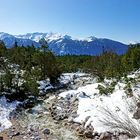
pixel 5 109
pixel 92 105
pixel 66 78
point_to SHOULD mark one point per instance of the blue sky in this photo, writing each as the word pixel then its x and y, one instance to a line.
pixel 114 19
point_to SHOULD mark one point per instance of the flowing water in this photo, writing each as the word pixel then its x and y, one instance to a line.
pixel 36 118
pixel 5 109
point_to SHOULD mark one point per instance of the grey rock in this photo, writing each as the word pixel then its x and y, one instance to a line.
pixel 37 138
pixel 70 119
pixel 13 133
pixel 137 114
pixel 88 133
pixel 105 136
pixel 46 131
pixel 123 137
pixel 138 104
pixel 95 134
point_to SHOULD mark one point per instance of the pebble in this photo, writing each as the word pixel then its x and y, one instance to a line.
pixel 105 136
pixel 46 131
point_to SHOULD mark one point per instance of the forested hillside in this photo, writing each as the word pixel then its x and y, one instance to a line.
pixel 40 63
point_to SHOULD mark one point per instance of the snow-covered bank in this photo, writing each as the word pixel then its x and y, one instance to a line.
pixel 97 107
pixel 5 109
pixel 85 104
pixel 65 79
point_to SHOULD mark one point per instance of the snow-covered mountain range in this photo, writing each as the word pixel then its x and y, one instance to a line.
pixel 65 44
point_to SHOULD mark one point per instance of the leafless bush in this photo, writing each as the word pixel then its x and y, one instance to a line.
pixel 116 122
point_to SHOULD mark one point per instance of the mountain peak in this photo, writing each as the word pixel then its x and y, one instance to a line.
pixel 63 44
pixel 4 35
pixel 88 39
pixel 91 38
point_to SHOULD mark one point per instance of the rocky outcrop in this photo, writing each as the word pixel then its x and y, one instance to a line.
pixel 61 109
pixel 136 114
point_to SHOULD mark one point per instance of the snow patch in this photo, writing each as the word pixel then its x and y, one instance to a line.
pixel 5 109
pixel 91 104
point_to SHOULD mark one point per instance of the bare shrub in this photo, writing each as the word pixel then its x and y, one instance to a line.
pixel 116 122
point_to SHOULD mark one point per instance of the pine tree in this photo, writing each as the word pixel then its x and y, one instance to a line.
pixel 3 49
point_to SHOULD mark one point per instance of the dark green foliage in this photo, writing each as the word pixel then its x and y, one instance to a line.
pixel 47 63
pixel 1 84
pixel 42 59
pixel 131 60
pixel 22 56
pixel 108 89
pixel 108 64
pixel 8 77
pixel 3 49
pixel 37 64
pixel 74 63
pixel 40 63
pixel 102 90
pixel 128 89
pixel 30 85
pixel 53 70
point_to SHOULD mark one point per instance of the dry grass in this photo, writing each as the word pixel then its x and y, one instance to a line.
pixel 125 124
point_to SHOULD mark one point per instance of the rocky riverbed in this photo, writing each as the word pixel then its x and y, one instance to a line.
pixel 37 124
pixel 53 117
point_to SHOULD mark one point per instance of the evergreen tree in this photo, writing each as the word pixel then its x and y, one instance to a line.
pixel 3 49
pixel 48 63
